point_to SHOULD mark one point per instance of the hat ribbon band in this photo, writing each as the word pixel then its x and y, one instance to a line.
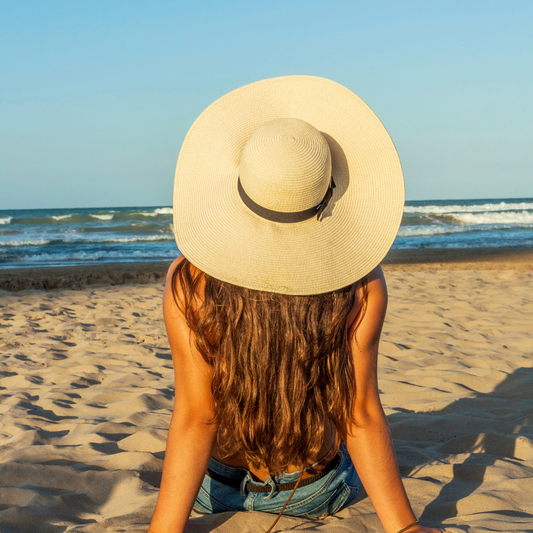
pixel 284 217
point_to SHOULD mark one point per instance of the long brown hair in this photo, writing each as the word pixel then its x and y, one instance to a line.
pixel 281 364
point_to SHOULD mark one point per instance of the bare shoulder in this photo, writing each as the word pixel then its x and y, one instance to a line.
pixel 169 303
pixel 175 288
pixel 192 374
pixel 173 267
pixel 369 327
pixel 180 336
pixel 377 288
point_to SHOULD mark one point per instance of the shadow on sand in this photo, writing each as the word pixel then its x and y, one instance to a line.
pixel 471 435
pixel 468 437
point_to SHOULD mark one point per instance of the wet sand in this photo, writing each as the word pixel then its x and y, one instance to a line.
pixel 101 274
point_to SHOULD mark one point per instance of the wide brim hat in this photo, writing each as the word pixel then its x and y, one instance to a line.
pixel 226 234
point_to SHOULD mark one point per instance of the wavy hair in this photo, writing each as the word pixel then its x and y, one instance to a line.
pixel 281 364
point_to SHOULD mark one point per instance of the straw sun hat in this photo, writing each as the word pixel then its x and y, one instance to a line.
pixel 289 185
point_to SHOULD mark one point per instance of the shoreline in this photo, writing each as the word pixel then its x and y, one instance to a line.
pixel 82 276
pixel 411 260
pixel 502 258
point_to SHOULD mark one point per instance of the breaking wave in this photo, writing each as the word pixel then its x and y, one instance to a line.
pixel 472 208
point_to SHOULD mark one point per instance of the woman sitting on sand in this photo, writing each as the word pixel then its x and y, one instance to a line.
pixel 288 194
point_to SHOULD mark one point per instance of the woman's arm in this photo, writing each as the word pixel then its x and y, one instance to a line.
pixel 192 432
pixel 369 442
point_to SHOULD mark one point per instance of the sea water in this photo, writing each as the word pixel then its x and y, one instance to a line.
pixel 467 224
pixel 58 237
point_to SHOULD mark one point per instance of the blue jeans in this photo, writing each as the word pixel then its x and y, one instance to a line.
pixel 323 497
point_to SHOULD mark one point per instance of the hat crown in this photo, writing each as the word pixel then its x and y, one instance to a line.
pixel 286 165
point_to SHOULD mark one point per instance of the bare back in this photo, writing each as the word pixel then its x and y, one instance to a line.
pixel 193 375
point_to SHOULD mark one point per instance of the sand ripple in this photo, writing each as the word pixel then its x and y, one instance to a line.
pixel 86 391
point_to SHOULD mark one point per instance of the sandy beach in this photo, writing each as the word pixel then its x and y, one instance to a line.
pixel 86 391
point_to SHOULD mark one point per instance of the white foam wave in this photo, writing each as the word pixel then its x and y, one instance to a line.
pixel 503 217
pixel 30 242
pixel 428 231
pixel 103 217
pixel 481 208
pixel 157 212
pixel 139 239
pixel 76 238
pixel 95 256
pixel 98 216
pixel 6 220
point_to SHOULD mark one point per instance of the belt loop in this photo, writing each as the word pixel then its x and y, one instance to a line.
pixel 245 480
pixel 273 488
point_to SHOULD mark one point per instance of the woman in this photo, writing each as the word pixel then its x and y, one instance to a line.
pixel 288 194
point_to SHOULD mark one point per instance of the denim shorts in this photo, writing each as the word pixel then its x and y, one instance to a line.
pixel 325 496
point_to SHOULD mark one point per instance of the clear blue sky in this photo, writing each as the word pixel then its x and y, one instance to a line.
pixel 97 96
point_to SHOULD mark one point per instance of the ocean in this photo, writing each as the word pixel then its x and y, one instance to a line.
pixel 59 237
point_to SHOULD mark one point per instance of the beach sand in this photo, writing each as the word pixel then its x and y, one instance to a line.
pixel 86 392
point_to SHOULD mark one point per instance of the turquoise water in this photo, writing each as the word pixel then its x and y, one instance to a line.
pixel 57 237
